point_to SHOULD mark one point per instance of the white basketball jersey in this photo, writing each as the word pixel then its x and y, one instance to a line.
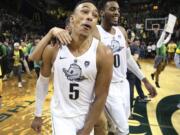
pixel 117 43
pixel 74 80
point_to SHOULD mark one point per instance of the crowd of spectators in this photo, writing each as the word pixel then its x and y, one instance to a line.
pixel 15 32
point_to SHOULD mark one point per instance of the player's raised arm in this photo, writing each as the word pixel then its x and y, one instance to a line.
pixel 61 34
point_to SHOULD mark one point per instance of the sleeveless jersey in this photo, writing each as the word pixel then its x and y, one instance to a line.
pixel 117 43
pixel 74 80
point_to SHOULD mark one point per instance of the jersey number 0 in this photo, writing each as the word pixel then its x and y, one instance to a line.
pixel 116 60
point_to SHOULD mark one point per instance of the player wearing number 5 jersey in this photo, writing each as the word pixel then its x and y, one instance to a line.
pixel 74 79
pixel 81 76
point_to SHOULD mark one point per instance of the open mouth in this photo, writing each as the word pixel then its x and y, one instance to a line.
pixel 87 26
pixel 116 18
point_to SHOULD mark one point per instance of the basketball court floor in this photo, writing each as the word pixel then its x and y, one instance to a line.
pixel 160 116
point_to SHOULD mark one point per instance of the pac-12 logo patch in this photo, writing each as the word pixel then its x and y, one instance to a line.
pixel 86 63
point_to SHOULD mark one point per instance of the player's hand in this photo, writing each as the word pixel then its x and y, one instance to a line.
pixel 37 124
pixel 62 34
pixel 150 88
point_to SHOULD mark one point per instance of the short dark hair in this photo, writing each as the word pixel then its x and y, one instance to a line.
pixel 84 1
pixel 67 21
pixel 102 3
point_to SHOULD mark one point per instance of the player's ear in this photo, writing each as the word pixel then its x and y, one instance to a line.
pixel 71 19
pixel 101 13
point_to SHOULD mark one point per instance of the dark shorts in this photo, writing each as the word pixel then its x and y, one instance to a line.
pixel 158 60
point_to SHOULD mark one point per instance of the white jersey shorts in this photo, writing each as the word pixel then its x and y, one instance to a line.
pixel 67 125
pixel 118 106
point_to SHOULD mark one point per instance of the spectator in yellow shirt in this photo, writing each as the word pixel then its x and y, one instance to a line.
pixel 171 48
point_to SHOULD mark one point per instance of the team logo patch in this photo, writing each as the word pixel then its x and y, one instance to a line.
pixel 115 46
pixel 86 63
pixel 74 73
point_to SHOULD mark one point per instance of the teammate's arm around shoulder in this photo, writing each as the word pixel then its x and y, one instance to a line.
pixel 47 60
pixel 42 86
pixel 63 36
pixel 104 74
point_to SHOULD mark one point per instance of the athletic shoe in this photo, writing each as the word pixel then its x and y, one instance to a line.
pixel 152 76
pixel 20 85
pixel 157 84
pixel 4 78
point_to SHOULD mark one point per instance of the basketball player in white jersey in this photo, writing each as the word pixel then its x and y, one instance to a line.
pixel 81 76
pixel 115 37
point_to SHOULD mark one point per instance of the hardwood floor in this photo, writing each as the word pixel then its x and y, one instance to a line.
pixel 157 117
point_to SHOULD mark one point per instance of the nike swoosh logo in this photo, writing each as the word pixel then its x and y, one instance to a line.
pixel 62 58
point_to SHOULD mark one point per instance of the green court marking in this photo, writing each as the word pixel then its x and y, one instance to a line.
pixel 165 109
pixel 144 127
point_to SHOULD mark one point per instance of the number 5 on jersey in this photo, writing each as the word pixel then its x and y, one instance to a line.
pixel 74 92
